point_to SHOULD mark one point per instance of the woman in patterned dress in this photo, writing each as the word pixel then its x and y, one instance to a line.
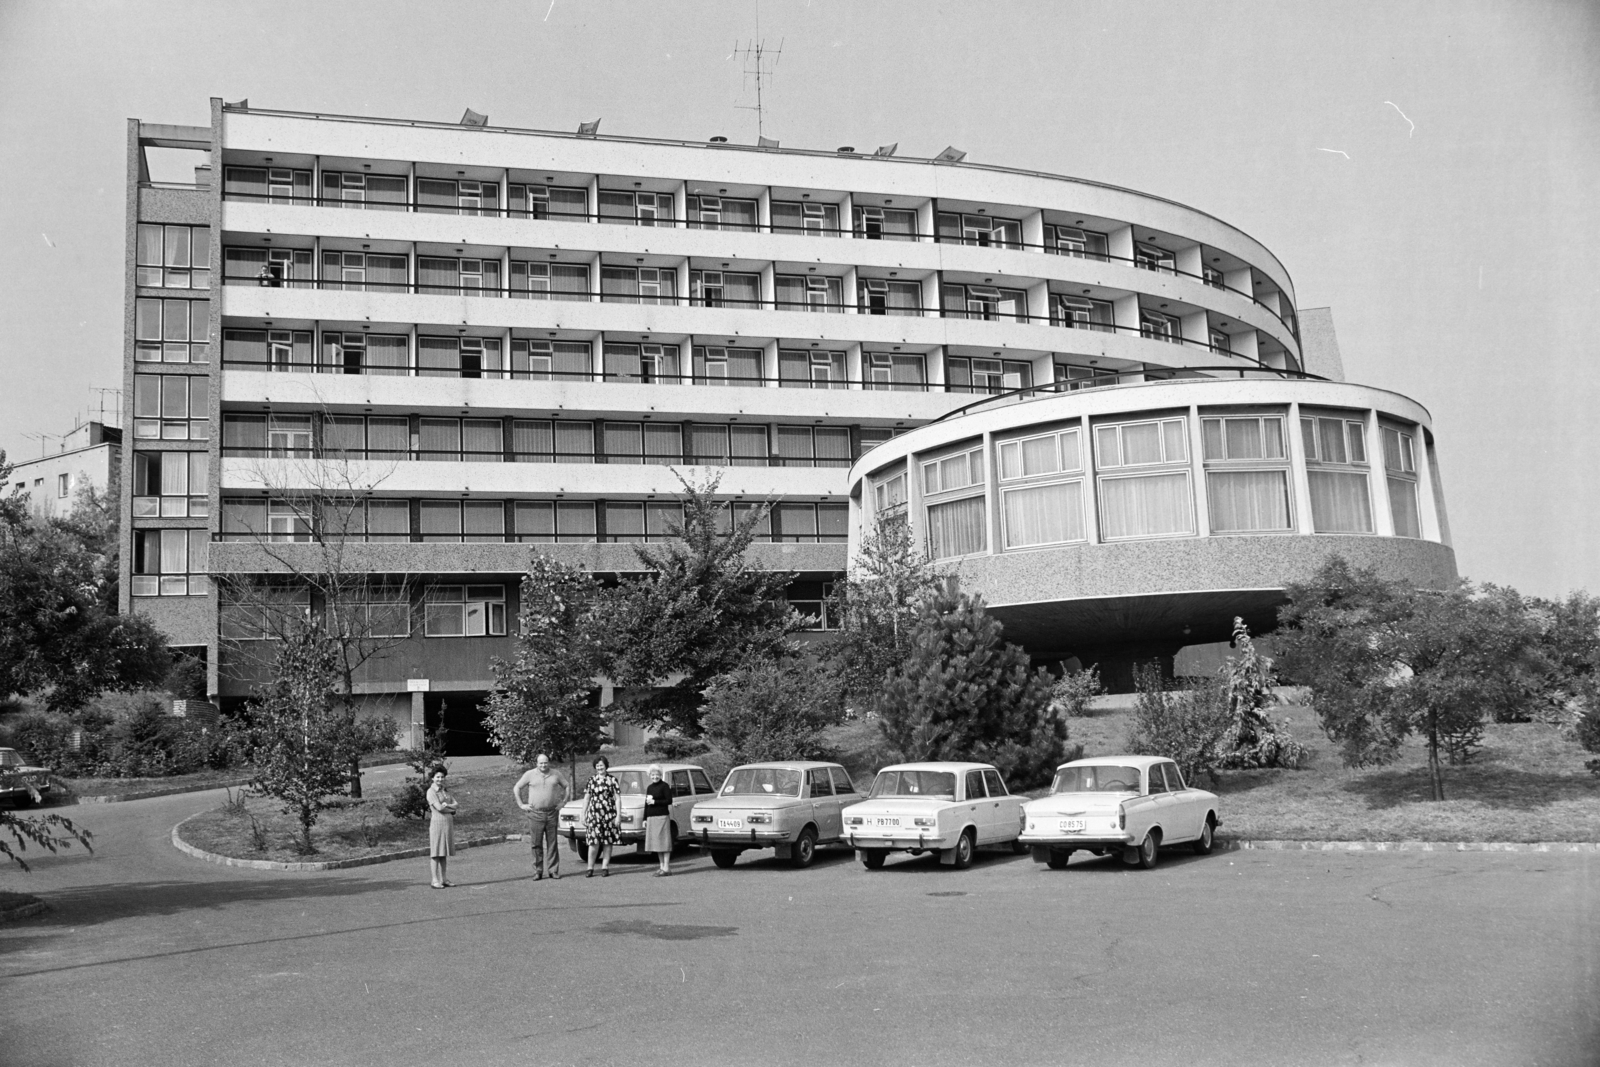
pixel 600 826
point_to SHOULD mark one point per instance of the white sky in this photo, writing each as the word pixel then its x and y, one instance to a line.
pixel 1461 258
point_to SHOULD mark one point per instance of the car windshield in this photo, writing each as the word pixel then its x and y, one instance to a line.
pixel 1096 780
pixel 914 784
pixel 762 781
pixel 11 758
pixel 633 783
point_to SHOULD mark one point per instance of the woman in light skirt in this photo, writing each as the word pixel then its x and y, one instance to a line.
pixel 441 827
pixel 658 821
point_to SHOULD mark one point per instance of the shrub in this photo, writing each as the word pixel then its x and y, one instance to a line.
pixel 410 801
pixel 1252 738
pixel 768 709
pixel 674 747
pixel 1074 691
pixel 1185 727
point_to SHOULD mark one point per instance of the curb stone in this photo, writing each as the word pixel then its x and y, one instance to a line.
pixel 24 911
pixel 1408 846
pixel 120 798
pixel 323 865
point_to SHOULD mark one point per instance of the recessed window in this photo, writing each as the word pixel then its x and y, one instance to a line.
pixel 885 224
pixel 894 371
pixel 720 213
pixel 957 516
pixel 809 292
pixel 1400 473
pixel 171 331
pixel 442 196
pixel 170 563
pixel 812 220
pixel 1081 313
pixel 554 202
pixel 272 185
pixel 724 289
pixel 171 407
pixel 549 281
pixel 964 375
pixel 554 361
pixel 714 365
pixel 170 484
pixel 465 611
pixel 1076 242
pixel 361 189
pixel 983 231
pixel 881 296
pixel 985 302
pixel 173 257
pixel 1247 474
pixel 638 285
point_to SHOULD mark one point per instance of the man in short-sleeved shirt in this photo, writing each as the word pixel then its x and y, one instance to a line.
pixel 547 791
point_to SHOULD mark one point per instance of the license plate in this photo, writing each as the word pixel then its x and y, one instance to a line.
pixel 1072 826
pixel 886 820
pixel 730 824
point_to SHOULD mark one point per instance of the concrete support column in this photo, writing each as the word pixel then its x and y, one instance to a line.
pixel 1091 498
pixel 1197 469
pixel 847 214
pixel 1190 260
pixel 1119 244
pixel 991 494
pixel 769 364
pixel 1033 230
pixel 418 732
pixel 1382 517
pixel 848 296
pixel 854 371
pixel 1125 313
pixel 1039 299
pixel 1300 480
pixel 1427 500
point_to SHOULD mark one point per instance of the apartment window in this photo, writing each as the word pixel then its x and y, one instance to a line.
pixel 63 486
pixel 638 285
pixel 720 213
pixel 1247 474
pixel 1157 501
pixel 964 375
pixel 170 407
pixel 1155 325
pixel 810 523
pixel 811 601
pixel 549 281
pixel 289 521
pixel 374 273
pixel 1220 341
pixel 1081 313
pixel 984 302
pixel 957 516
pixel 388 521
pixel 439 439
pixel 809 292
pixel 547 440
pixel 382 611
pixel 714 445
pixel 1076 242
pixel 1212 276
pixel 440 196
pixel 889 497
pixel 880 296
pixel 723 289
pixel 262 613
pixel 170 562
pixel 885 224
pixel 464 611
pixel 1400 471
pixel 1336 467
pixel 171 331
pixel 459 357
pixel 364 353
pixel 271 350
pixel 272 268
pixel 358 189
pixel 275 185
pixel 727 366
pixel 804 217
pixel 548 202
pixel 464 277
pixel 758 516
pixel 544 361
pixel 454 521
pixel 643 521
pixel 545 521
pixel 1041 489
pixel 636 209
pixel 168 484
pixel 980 230
pixel 893 371
pixel 173 257
pixel 388 437
pixel 650 364
pixel 813 446
pixel 651 443
pixel 1149 257
pixel 811 369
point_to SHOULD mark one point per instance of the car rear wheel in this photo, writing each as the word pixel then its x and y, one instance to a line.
pixel 1148 851
pixel 872 858
pixel 963 850
pixel 804 850
pixel 1203 846
pixel 724 857
pixel 1018 848
pixel 1058 859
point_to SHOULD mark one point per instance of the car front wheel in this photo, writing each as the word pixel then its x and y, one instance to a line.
pixel 804 850
pixel 724 857
pixel 872 858
pixel 963 851
pixel 1203 846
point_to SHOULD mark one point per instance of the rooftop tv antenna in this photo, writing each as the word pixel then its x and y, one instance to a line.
pixel 759 63
pixel 115 407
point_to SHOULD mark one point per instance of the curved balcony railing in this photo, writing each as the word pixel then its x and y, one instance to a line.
pixel 590 456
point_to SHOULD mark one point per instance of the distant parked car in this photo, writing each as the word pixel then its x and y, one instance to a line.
pixel 689 784
pixel 791 807
pixel 21 779
pixel 948 808
pixel 1132 805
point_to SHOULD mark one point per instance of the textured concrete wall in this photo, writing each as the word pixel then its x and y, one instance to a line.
pixel 1319 346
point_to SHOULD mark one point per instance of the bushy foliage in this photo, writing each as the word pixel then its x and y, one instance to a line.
pixel 1075 690
pixel 1186 726
pixel 410 801
pixel 770 709
pixel 963 692
pixel 1252 739
pixel 127 735
pixel 877 608
pixel 674 747
pixel 545 698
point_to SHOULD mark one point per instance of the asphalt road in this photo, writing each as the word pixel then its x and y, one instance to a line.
pixel 151 957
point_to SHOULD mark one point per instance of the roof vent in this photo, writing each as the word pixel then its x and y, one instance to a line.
pixel 950 155
pixel 719 140
pixel 472 118
pixel 847 150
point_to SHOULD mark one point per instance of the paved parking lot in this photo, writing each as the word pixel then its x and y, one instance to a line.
pixel 1238 958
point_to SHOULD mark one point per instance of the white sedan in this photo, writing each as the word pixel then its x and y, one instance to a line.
pixel 1132 805
pixel 948 808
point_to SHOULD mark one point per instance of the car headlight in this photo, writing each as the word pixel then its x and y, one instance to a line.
pixel 701 818
pixel 760 818
pixel 854 820
pixel 924 820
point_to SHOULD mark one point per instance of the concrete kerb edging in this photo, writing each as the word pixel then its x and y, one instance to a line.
pixel 324 865
pixel 1409 846
pixel 24 911
pixel 121 798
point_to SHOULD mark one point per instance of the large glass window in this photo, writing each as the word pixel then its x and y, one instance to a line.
pixel 639 285
pixel 1400 472
pixel 171 331
pixel 984 302
pixel 714 445
pixel 460 357
pixel 173 257
pixel 365 353
pixel 1150 257
pixel 636 208
pixel 1247 474
pixel 549 281
pixel 964 375
pixel 809 292
pixel 720 213
pixel 171 407
pixel 1077 242
pixel 648 364
pixel 371 272
pixel 980 230
pixel 1081 313
pixel 269 268
pixel 558 361
pixel 544 521
pixel 957 518
pixel 464 611
pixel 804 217
pixel 880 296
pixel 1159 327
pixel 170 563
pixel 1041 489
pixel 885 223
pixel 452 277
pixel 724 289
pixel 727 366
pixel 1336 467
pixel 261 612
pixel 465 197
pixel 358 189
pixel 287 351
pixel 811 369
pixel 274 185
pixel 553 202
pixel 170 484
pixel 1154 502
pixel 894 371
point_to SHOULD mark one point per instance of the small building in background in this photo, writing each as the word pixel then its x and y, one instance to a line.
pixel 88 456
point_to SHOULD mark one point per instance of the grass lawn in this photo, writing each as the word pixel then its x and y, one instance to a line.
pixel 1526 784
pixel 94 787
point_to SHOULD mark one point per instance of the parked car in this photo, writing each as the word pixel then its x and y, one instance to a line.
pixel 689 784
pixel 790 806
pixel 21 779
pixel 1132 805
pixel 949 808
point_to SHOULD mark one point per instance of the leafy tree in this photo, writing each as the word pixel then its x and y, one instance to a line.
pixel 771 709
pixel 542 699
pixel 1251 738
pixel 962 692
pixel 50 832
pixel 1385 661
pixel 1074 691
pixel 697 613
pixel 878 607
pixel 306 739
pixel 1187 727
pixel 1568 649
pixel 59 627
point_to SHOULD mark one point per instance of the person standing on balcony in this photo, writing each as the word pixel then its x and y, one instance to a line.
pixel 547 791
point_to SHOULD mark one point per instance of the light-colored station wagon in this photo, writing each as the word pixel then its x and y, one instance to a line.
pixel 1132 805
pixel 948 808
pixel 791 807
pixel 689 784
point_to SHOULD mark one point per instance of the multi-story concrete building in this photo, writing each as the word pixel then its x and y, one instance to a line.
pixel 87 458
pixel 467 343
